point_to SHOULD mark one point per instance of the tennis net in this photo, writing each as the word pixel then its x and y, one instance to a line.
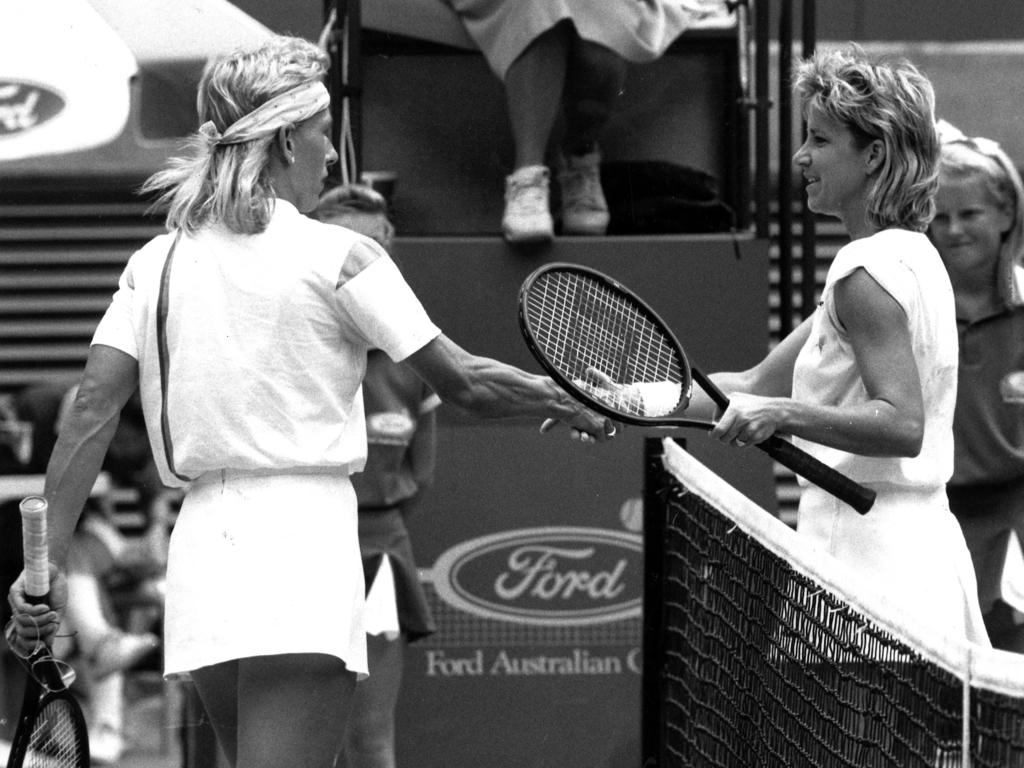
pixel 759 651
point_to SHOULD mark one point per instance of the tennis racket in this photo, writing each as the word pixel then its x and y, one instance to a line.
pixel 611 351
pixel 51 730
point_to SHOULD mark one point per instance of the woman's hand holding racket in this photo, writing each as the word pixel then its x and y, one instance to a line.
pixel 51 728
pixel 39 594
pixel 748 420
pixel 36 623
pixel 611 351
pixel 586 426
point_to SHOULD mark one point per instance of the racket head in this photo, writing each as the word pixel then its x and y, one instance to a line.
pixel 603 344
pixel 51 729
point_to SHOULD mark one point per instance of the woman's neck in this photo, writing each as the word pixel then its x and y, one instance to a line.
pixel 857 226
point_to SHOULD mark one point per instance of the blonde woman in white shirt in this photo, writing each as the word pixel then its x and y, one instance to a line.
pixel 867 383
pixel 246 330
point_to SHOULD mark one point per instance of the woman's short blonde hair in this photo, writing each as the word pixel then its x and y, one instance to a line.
pixel 230 184
pixel 887 101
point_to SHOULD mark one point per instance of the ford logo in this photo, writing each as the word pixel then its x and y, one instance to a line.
pixel 553 576
pixel 24 106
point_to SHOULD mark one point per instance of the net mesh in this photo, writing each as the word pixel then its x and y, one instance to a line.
pixel 766 658
pixel 605 343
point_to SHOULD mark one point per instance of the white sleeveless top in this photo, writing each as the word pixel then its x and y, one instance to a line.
pixel 908 267
pixel 909 546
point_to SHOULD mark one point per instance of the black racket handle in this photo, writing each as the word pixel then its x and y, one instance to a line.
pixel 822 475
pixel 801 462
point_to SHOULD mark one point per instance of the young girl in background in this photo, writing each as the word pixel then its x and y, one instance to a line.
pixel 979 232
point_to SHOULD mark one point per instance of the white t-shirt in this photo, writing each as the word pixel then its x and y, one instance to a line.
pixel 909 268
pixel 266 338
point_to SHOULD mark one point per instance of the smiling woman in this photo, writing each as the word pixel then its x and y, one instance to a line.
pixel 866 384
pixel 836 167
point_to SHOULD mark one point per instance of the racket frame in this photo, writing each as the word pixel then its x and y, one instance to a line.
pixel 36 700
pixel 596 404
pixel 783 451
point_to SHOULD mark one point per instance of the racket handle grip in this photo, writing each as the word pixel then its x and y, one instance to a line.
pixel 35 548
pixel 822 475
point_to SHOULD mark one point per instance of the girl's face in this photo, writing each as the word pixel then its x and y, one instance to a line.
pixel 969 225
pixel 836 171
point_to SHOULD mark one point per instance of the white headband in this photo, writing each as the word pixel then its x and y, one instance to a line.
pixel 288 108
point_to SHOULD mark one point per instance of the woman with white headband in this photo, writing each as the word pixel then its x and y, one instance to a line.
pixel 246 329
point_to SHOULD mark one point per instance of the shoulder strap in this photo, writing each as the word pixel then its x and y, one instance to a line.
pixel 164 358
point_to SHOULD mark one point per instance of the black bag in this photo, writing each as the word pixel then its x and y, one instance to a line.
pixel 653 197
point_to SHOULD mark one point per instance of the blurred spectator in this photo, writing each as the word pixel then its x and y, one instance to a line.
pixel 566 60
pixel 400 427
pixel 978 230
pixel 109 575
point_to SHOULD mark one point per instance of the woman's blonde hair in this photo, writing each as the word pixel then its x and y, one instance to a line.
pixel 979 158
pixel 887 101
pixel 230 184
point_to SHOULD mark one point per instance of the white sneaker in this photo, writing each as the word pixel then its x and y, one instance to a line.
pixel 584 209
pixel 527 216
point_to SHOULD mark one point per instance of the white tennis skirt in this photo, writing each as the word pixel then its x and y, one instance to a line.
pixel 264 564
pixel 909 547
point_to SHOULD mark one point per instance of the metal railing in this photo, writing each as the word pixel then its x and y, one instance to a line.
pixel 783 188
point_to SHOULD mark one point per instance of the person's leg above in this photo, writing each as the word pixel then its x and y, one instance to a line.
pixel 594 79
pixel 533 93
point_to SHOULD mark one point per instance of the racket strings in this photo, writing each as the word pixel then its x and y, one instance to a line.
pixel 602 340
pixel 56 741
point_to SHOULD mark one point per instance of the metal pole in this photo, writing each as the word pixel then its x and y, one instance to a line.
pixel 808 239
pixel 334 80
pixel 785 180
pixel 345 77
pixel 354 91
pixel 762 182
pixel 744 103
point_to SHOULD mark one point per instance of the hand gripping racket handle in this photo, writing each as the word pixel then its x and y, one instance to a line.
pixel 801 462
pixel 36 549
pixel 822 475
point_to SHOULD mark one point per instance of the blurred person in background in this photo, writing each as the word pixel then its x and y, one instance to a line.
pixel 978 230
pixel 401 418
pixel 114 579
